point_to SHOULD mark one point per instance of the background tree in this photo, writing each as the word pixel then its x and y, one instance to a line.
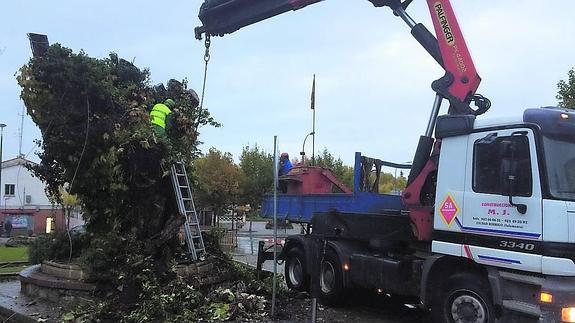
pixel 566 91
pixel 388 183
pixel 343 172
pixel 258 179
pixel 69 203
pixel 218 181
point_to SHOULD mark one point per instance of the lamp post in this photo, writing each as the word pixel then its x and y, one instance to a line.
pixel 302 153
pixel 2 125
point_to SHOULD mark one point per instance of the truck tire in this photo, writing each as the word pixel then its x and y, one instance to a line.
pixel 463 298
pixel 331 280
pixel 297 278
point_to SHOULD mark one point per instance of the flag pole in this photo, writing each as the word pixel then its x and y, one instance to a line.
pixel 313 122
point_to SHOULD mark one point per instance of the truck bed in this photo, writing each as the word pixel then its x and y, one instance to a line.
pixel 300 208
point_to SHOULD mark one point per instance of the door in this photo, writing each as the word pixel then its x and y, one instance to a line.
pixel 503 231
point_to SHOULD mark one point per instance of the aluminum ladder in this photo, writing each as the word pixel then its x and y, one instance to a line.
pixel 192 231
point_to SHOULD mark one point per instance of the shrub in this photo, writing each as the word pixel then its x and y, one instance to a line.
pixel 56 246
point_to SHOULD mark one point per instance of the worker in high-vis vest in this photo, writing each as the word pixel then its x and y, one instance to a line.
pixel 161 116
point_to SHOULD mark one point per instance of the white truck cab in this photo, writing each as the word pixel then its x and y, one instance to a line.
pixel 505 198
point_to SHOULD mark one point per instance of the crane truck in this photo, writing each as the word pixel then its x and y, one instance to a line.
pixel 486 227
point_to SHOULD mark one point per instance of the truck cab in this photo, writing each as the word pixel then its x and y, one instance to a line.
pixel 512 191
pixel 505 199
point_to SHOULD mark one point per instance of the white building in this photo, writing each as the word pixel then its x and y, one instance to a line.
pixel 24 202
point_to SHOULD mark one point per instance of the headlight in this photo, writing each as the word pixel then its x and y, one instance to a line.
pixel 568 314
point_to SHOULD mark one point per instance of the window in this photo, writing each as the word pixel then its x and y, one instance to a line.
pixel 9 189
pixel 492 165
pixel 560 164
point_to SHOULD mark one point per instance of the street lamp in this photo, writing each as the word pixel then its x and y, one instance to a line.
pixel 302 153
pixel 2 125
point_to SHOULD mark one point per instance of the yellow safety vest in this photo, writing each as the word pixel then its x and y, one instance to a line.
pixel 159 114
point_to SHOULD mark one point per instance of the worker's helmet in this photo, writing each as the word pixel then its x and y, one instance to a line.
pixel 195 97
pixel 284 155
pixel 170 103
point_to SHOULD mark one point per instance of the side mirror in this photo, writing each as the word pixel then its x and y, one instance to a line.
pixel 521 208
pixel 509 166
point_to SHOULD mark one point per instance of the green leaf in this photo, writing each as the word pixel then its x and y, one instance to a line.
pixel 68 316
pixel 220 311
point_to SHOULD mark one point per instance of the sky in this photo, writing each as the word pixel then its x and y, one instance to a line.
pixel 373 90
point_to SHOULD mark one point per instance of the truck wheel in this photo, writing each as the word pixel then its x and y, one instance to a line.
pixel 464 298
pixel 331 280
pixel 295 271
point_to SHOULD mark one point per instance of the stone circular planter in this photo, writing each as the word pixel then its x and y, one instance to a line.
pixel 55 282
pixel 67 271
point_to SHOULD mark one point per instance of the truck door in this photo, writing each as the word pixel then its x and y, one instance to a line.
pixel 501 231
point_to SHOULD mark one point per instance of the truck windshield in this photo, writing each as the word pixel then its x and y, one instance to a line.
pixel 560 163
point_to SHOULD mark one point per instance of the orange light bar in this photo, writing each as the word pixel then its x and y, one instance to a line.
pixel 345 267
pixel 546 297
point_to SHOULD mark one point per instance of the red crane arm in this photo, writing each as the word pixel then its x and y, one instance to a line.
pixel 464 79
pixel 456 56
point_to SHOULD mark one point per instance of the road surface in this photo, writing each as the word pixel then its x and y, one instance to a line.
pixel 365 307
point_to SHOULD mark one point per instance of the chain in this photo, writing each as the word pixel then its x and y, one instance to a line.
pixel 208 43
pixel 206 59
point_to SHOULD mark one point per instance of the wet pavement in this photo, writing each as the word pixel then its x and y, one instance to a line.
pixel 14 306
pixel 247 249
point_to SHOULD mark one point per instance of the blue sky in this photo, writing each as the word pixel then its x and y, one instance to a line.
pixel 373 79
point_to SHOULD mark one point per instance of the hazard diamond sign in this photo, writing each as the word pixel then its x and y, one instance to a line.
pixel 448 209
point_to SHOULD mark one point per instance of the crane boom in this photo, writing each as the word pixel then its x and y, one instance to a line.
pixel 220 17
pixel 458 85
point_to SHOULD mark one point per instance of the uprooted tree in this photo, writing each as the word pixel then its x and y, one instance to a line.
pixel 97 142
